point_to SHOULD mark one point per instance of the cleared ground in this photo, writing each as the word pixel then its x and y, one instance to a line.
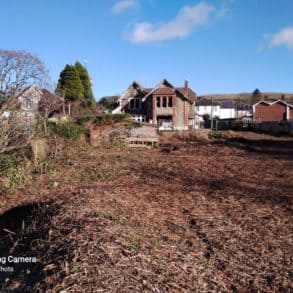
pixel 191 216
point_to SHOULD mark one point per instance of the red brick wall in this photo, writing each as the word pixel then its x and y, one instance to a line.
pixel 180 110
pixel 275 112
pixel 290 114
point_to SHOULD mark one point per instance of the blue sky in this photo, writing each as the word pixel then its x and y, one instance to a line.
pixel 220 46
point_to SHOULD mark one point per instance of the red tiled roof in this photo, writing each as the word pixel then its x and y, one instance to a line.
pixel 169 89
pixel 164 91
pixel 189 93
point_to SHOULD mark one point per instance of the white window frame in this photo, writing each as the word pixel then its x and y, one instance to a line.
pixel 138 118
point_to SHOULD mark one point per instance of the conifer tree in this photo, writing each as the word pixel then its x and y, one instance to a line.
pixel 255 96
pixel 70 84
pixel 86 83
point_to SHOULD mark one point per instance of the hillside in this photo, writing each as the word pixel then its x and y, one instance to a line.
pixel 245 97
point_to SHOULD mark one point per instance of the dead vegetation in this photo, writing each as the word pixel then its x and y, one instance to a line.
pixel 193 215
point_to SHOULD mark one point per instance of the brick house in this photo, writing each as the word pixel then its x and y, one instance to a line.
pixel 277 111
pixel 166 106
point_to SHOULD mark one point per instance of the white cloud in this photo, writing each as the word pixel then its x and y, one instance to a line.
pixel 186 21
pixel 282 38
pixel 123 5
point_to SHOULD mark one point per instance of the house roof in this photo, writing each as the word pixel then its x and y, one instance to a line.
pixel 272 102
pixel 243 107
pixel 134 85
pixel 164 91
pixel 28 89
pixel 207 102
pixel 189 92
pixel 227 105
pixel 188 95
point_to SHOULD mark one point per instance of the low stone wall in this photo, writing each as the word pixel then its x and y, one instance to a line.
pixel 106 133
pixel 120 132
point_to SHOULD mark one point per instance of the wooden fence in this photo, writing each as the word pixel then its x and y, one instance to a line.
pixel 270 127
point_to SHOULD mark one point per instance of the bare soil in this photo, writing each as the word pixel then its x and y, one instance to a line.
pixel 194 215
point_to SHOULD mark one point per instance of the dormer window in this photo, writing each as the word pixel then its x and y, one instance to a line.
pixel 134 104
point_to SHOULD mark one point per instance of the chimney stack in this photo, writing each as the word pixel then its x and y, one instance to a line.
pixel 186 87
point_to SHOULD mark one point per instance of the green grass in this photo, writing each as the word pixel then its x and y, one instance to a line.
pixel 216 134
pixel 12 172
pixel 90 174
pixel 71 131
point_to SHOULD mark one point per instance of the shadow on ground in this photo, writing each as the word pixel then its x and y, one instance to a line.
pixel 25 232
pixel 280 148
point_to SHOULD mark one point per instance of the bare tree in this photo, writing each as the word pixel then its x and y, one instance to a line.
pixel 61 96
pixel 18 70
pixel 49 104
pixel 14 133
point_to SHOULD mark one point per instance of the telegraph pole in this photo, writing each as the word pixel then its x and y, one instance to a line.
pixel 212 102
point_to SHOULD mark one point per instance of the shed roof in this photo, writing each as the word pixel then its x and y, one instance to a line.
pixel 273 102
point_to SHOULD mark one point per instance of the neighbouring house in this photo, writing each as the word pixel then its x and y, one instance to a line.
pixel 215 109
pixel 244 114
pixel 208 107
pixel 243 111
pixel 205 107
pixel 227 110
pixel 29 103
pixel 277 110
pixel 166 106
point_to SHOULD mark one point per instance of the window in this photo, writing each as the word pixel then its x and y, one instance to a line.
pixel 158 102
pixel 131 104
pixel 137 103
pixel 170 102
pixel 134 104
pixel 164 102
pixel 138 118
pixel 28 104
